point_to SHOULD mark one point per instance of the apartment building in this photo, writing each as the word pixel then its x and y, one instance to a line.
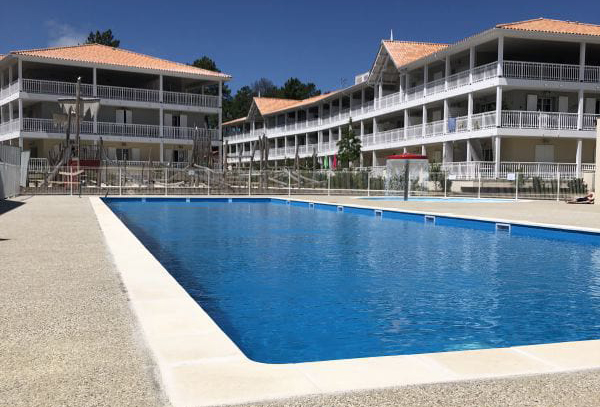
pixel 150 109
pixel 524 93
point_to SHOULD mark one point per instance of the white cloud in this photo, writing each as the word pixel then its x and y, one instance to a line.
pixel 63 35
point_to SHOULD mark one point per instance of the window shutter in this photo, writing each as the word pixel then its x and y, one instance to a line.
pixel 563 104
pixel 168 120
pixel 532 103
pixel 135 154
pixel 128 117
pixel 168 154
pixel 120 116
pixel 183 120
pixel 590 105
pixel 112 153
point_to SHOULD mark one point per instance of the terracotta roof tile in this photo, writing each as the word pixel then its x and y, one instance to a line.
pixel 102 54
pixel 553 26
pixel 405 52
pixel 271 105
pixel 235 121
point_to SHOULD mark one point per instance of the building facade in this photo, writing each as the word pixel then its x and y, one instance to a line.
pixel 150 109
pixel 525 92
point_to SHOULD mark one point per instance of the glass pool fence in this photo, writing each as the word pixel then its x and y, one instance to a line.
pixel 140 180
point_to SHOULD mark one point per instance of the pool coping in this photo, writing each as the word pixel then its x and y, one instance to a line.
pixel 200 366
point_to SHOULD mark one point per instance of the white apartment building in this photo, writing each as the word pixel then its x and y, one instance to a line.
pixel 150 108
pixel 524 93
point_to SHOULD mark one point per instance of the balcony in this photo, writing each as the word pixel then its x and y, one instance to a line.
pixel 9 90
pixel 118 93
pixel 115 129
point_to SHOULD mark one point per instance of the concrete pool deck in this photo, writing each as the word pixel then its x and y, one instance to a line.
pixel 199 365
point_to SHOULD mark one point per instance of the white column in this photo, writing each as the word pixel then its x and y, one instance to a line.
pixel 469 110
pixel 160 88
pixel 10 111
pixel 379 94
pixel 446 115
pixel 581 61
pixel 498 106
pixel 406 81
pixel 320 113
pixel 580 109
pixel 471 63
pixel 20 114
pixel 320 139
pixel 362 129
pixel 375 129
pixel 374 159
pixel 252 127
pixel 340 109
pixel 446 71
pixel 578 157
pixel 469 150
pixel 162 151
pixel 362 99
pixel 20 73
pixel 424 120
pixel 423 150
pixel 95 82
pixel 2 119
pixel 10 74
pixel 497 155
pixel 425 79
pixel 500 54
pixel 161 122
pixel 447 152
pixel 406 123
pixel 2 79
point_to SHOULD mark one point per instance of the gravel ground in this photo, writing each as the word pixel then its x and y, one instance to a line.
pixel 576 389
pixel 67 334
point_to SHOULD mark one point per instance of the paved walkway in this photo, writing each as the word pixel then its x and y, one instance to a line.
pixel 559 213
pixel 67 335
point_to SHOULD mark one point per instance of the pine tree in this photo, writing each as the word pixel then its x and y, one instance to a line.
pixel 349 146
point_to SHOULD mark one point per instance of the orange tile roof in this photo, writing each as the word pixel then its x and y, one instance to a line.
pixel 102 54
pixel 235 121
pixel 271 105
pixel 405 52
pixel 553 26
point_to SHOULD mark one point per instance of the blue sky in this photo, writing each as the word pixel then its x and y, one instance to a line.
pixel 322 41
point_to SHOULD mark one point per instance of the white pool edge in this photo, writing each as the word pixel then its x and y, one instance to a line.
pixel 200 366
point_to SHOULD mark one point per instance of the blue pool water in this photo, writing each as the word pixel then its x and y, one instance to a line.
pixel 293 284
pixel 433 199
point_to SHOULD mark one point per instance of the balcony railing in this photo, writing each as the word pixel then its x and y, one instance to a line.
pixel 9 127
pixel 469 170
pixel 434 128
pixel 539 120
pixel 541 71
pixel 589 121
pixel 9 89
pixel 39 86
pixel 114 129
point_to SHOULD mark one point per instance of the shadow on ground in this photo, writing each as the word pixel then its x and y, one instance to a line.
pixel 8 205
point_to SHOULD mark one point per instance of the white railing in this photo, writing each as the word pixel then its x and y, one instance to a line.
pixel 132 94
pixel 591 74
pixel 9 127
pixel 190 99
pixel 416 92
pixel 38 165
pixel 540 71
pixel 482 121
pixel 414 131
pixel 9 90
pixel 50 126
pixel 590 120
pixel 486 169
pixel 385 137
pixel 55 87
pixel 539 120
pixel 390 100
pixel 189 133
pixel 129 130
pixel 484 72
pixel 240 136
pixel 434 128
pixel 458 79
pixel 458 124
pixel 437 86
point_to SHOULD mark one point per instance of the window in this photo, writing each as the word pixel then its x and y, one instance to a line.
pixel 179 156
pixel 123 154
pixel 488 154
pixel 175 121
pixel 544 104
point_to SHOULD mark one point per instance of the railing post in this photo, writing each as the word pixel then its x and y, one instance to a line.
pixel 479 186
pixel 368 183
pixel 166 175
pixel 289 182
pixel 516 186
pixel 120 182
pixel 445 184
pixel 208 182
pixel 250 181
pixel 328 183
pixel 557 186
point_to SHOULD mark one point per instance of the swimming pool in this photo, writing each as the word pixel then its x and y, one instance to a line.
pixel 290 284
pixel 434 199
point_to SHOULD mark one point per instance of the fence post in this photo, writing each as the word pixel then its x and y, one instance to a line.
pixel 120 182
pixel 368 183
pixel 557 186
pixel 166 175
pixel 71 179
pixel 479 186
pixel 516 186
pixel 328 183
pixel 249 183
pixel 208 182
pixel 289 182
